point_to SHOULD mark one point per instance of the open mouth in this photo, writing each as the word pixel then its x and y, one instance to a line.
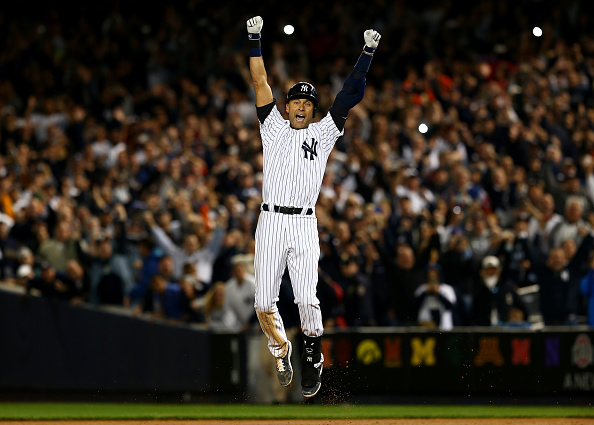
pixel 300 118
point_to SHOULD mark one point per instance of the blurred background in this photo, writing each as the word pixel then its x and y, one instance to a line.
pixel 455 216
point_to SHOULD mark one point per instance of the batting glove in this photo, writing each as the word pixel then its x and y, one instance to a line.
pixel 372 39
pixel 254 26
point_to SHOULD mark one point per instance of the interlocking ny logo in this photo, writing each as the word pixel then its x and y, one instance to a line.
pixel 304 87
pixel 312 149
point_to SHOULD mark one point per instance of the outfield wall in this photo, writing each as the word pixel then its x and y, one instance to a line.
pixel 51 346
pixel 468 362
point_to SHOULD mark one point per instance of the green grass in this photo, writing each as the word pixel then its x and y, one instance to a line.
pixel 72 411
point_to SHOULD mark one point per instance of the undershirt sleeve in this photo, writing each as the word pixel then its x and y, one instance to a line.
pixel 264 111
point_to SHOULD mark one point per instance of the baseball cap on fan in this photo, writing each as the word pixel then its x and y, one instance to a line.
pixel 24 270
pixel 490 261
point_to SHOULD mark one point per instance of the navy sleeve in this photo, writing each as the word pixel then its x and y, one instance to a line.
pixel 338 112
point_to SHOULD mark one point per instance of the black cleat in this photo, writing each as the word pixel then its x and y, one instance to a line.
pixel 312 363
pixel 312 378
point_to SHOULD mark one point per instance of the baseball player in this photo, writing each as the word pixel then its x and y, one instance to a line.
pixel 295 156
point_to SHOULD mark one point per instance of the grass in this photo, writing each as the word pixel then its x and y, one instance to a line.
pixel 72 411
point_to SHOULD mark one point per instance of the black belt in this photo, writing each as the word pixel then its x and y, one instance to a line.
pixel 287 210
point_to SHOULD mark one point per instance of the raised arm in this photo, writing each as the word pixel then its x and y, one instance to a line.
pixel 163 241
pixel 257 69
pixel 354 86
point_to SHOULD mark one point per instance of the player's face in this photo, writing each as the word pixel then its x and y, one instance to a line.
pixel 300 112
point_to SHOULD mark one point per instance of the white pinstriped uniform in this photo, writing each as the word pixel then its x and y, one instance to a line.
pixel 294 165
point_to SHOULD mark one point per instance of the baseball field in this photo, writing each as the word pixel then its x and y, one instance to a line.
pixel 153 414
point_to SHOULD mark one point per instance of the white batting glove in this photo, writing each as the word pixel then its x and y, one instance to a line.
pixel 372 38
pixel 254 25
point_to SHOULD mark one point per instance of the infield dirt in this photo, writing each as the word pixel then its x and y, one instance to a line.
pixel 510 421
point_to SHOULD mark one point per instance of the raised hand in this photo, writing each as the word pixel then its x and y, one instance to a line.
pixel 372 38
pixel 254 25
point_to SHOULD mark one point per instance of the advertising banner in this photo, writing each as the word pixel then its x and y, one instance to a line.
pixel 483 361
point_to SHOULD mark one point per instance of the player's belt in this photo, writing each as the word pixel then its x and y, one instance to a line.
pixel 286 210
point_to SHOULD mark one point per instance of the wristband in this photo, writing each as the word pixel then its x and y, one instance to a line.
pixel 368 50
pixel 254 43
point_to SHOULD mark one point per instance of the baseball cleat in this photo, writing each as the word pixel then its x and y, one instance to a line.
pixel 311 381
pixel 284 370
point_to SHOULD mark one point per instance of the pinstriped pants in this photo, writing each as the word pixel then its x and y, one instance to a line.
pixel 287 240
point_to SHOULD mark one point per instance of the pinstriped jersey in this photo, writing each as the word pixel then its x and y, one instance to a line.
pixel 295 160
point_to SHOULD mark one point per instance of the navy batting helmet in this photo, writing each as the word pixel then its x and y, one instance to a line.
pixel 303 90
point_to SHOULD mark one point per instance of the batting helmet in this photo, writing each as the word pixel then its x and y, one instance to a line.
pixel 303 90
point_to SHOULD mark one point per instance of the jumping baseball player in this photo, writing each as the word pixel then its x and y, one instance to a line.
pixel 295 156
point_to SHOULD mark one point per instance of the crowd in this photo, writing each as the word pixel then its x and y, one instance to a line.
pixel 461 191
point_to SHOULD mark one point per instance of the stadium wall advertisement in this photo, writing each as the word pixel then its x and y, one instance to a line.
pixel 48 345
pixel 485 361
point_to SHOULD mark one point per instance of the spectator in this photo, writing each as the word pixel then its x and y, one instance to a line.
pixel 435 302
pixel 493 297
pixel 240 291
pixel 150 263
pixel 358 293
pixel 26 261
pixel 109 279
pixel 559 279
pixel 219 315
pixel 76 281
pixel 544 223
pixel 164 270
pixel 167 298
pixel 570 225
pixel 480 237
pixel 406 272
pixel 376 274
pixel 60 249
pixel 400 224
pixel 191 278
pixel 501 190
pixel 190 252
pixel 25 256
pixel 457 265
pixel 8 249
pixel 50 284
pixel 193 295
pixel 516 319
pixel 463 191
pixel 569 186
pixel 233 244
pixel 410 188
pixel 515 250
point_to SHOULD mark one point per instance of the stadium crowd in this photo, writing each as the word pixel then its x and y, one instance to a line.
pixel 462 192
